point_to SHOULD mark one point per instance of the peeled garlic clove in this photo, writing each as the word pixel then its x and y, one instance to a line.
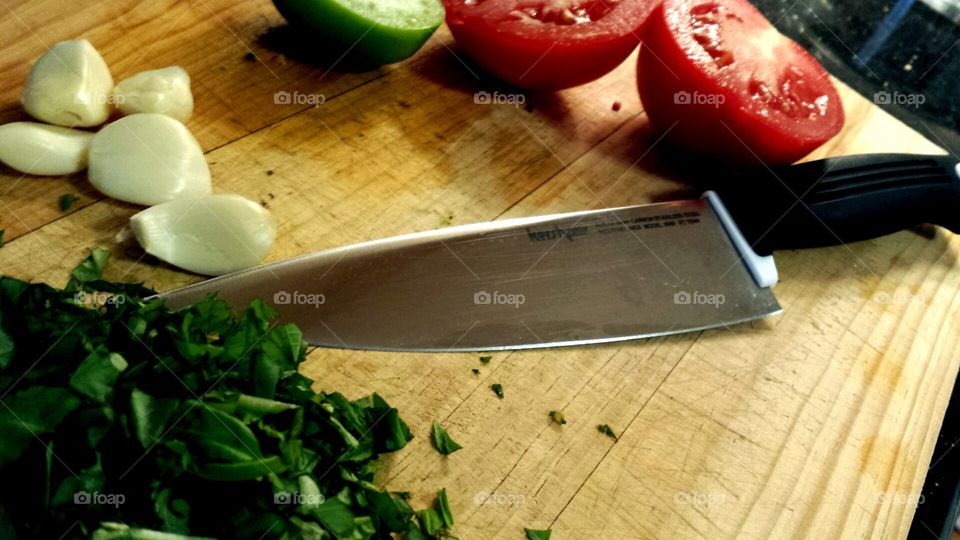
pixel 164 91
pixel 148 159
pixel 211 235
pixel 70 85
pixel 35 148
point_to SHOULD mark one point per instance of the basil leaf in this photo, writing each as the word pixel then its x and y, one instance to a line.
pixel 442 441
pixel 97 374
pixel 393 511
pixel 443 508
pixel 151 416
pixel 242 470
pixel 29 413
pixel 336 517
pixel 6 347
pixel 67 200
pixel 533 534
pixel 430 522
pixel 90 269
pixel 608 431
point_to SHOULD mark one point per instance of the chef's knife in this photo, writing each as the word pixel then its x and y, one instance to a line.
pixel 595 276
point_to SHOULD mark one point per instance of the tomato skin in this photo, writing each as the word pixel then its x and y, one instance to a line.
pixel 545 57
pixel 726 124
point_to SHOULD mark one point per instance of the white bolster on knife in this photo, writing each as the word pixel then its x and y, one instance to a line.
pixel 763 269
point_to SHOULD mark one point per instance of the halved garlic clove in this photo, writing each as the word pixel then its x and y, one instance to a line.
pixel 211 235
pixel 70 85
pixel 35 148
pixel 148 159
pixel 164 91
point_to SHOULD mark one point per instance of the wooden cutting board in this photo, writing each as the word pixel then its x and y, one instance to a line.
pixel 820 422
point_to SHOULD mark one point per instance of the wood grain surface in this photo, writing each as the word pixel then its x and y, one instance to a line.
pixel 818 423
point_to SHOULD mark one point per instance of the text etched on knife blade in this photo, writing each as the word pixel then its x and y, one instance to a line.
pixel 677 219
pixel 555 233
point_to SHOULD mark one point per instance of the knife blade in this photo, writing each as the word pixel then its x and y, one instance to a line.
pixel 595 276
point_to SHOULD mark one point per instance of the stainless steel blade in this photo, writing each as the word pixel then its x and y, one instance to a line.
pixel 586 277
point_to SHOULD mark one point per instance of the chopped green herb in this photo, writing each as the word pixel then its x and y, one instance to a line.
pixel 414 533
pixel 89 270
pixel 485 359
pixel 67 200
pixel 430 523
pixel 497 389
pixel 1 237
pixel 444 444
pixel 193 423
pixel 608 431
pixel 533 534
pixel 475 371
pixel 443 509
pixel 557 416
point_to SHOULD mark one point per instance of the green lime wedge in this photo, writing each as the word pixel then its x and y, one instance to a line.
pixel 379 31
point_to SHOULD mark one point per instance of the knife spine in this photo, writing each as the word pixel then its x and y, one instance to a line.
pixel 763 269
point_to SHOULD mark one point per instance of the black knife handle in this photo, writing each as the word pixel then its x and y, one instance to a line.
pixel 845 199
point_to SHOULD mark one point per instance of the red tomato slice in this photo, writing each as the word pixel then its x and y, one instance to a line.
pixel 727 84
pixel 548 44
